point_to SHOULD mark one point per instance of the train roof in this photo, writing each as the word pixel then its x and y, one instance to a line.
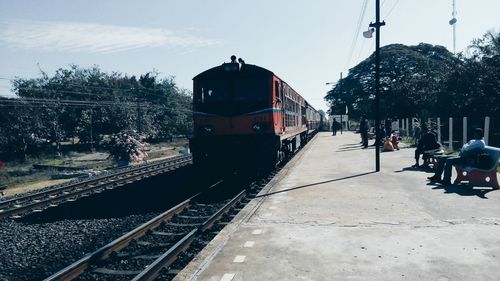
pixel 225 68
pixel 246 69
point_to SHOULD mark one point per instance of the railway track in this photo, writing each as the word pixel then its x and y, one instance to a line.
pixel 142 253
pixel 37 202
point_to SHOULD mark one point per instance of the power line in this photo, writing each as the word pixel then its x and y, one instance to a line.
pixel 73 92
pixel 356 34
pixel 40 103
pixel 363 43
pixel 152 92
pixel 56 102
pixel 391 9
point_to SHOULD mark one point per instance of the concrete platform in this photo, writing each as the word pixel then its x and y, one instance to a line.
pixel 328 216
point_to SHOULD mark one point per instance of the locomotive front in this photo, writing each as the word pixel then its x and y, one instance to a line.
pixel 233 108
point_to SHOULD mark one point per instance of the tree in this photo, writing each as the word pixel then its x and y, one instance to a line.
pixel 411 78
pixel 83 102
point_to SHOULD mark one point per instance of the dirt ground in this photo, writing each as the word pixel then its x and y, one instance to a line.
pixel 22 178
pixel 22 188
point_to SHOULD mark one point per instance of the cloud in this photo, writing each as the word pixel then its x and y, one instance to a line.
pixel 93 38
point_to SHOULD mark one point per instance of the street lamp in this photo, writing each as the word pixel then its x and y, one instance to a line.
pixel 341 121
pixel 368 34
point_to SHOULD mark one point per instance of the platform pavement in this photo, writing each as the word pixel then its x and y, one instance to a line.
pixel 328 216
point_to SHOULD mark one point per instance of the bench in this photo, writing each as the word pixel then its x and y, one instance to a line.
pixel 484 176
pixel 429 156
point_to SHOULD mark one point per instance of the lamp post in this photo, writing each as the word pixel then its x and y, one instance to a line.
pixel 331 83
pixel 368 34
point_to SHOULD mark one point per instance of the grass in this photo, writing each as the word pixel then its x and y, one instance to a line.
pixel 53 162
pixel 16 173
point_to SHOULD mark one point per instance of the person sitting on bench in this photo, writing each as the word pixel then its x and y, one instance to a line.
pixel 425 143
pixel 445 163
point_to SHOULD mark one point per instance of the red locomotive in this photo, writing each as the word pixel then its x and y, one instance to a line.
pixel 245 115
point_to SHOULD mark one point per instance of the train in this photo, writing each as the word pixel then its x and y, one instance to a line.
pixel 245 116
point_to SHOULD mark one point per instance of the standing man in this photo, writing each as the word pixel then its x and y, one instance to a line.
pixel 335 125
pixel 363 129
pixel 388 128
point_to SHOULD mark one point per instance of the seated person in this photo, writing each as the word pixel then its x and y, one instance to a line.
pixel 395 141
pixel 425 143
pixel 387 145
pixel 473 147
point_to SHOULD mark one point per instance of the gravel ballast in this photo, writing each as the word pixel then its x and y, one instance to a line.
pixel 35 251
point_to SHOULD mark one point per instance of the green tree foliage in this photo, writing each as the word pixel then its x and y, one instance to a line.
pixel 411 78
pixel 87 103
pixel 425 80
pixel 474 85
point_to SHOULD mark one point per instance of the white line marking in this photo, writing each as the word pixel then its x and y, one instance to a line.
pixel 227 277
pixel 249 244
pixel 267 214
pixel 239 259
pixel 257 231
pixel 273 208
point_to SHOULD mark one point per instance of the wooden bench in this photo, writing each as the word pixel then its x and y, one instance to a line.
pixel 429 156
pixel 485 176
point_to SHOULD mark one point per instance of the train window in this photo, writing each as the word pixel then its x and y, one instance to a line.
pixel 231 97
pixel 250 90
pixel 277 90
pixel 213 91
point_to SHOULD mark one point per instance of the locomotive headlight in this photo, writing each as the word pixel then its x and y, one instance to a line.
pixel 259 126
pixel 207 129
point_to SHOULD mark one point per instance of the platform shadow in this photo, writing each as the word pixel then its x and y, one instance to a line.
pixel 351 144
pixel 313 184
pixel 354 149
pixel 462 190
pixel 413 169
pixel 350 147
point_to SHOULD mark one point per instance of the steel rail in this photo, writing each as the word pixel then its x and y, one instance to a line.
pixel 93 179
pixel 57 195
pixel 72 271
pixel 166 259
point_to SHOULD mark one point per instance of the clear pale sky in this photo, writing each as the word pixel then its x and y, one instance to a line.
pixel 307 43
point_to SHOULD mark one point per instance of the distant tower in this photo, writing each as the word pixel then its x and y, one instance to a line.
pixel 453 22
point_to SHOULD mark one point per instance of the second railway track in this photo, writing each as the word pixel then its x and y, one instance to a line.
pixel 37 202
pixel 142 253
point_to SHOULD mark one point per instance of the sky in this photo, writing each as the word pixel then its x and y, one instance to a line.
pixel 306 43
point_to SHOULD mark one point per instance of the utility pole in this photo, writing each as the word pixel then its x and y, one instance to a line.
pixel 91 134
pixel 377 26
pixel 341 124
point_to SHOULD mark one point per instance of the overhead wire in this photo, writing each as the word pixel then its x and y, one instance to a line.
pixel 356 33
pixel 57 102
pixel 391 9
pixel 40 103
pixel 152 92
pixel 363 44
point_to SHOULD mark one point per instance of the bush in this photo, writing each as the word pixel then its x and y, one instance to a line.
pixel 126 147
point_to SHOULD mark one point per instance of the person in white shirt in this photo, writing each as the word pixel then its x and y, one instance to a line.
pixel 445 163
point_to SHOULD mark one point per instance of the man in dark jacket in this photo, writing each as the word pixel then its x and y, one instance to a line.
pixel 363 129
pixel 426 142
pixel 335 125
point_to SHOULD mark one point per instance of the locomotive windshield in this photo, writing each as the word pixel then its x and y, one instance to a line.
pixel 230 97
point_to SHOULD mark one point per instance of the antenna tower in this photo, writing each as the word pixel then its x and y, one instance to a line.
pixel 453 22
